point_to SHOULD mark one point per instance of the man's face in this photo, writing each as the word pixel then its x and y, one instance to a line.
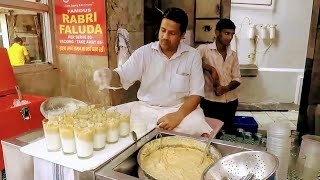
pixel 225 36
pixel 169 35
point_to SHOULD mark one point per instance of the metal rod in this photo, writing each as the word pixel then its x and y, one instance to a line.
pixel 18 92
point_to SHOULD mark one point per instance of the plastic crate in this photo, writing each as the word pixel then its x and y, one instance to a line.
pixel 247 123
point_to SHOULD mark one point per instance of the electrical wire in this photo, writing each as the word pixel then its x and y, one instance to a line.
pixel 235 35
pixel 156 7
pixel 242 24
pixel 236 43
pixel 266 49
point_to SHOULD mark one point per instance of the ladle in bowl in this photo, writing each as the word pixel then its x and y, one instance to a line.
pixel 207 148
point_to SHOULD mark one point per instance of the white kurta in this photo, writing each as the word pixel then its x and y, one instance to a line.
pixel 166 82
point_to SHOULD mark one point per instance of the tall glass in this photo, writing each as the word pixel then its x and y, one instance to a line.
pixel 84 141
pixel 55 115
pixel 140 117
pixel 67 138
pixel 100 136
pixel 124 125
pixel 137 123
pixel 112 130
pixel 51 134
pixel 140 122
pixel 309 166
pixel 124 117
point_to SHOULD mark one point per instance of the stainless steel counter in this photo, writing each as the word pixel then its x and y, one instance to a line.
pixel 123 166
pixel 17 164
pixel 20 166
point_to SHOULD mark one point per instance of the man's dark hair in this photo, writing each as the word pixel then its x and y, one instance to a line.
pixel 179 16
pixel 225 24
pixel 17 40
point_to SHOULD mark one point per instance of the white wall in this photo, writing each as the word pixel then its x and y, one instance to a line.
pixel 285 60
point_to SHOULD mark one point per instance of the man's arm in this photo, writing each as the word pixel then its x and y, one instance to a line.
pixel 172 120
pixel 132 70
pixel 26 55
pixel 202 49
pixel 27 58
pixel 123 76
pixel 224 89
pixel 236 76
pixel 115 80
pixel 213 72
pixel 233 85
pixel 190 104
pixel 206 67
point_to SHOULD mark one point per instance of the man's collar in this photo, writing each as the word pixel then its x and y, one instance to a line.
pixel 181 48
pixel 214 46
pixel 155 46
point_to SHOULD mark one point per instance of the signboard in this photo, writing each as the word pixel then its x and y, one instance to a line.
pixel 81 27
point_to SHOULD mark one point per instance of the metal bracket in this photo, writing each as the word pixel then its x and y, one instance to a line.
pixel 25 112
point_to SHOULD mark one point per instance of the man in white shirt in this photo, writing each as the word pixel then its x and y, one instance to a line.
pixel 222 76
pixel 171 77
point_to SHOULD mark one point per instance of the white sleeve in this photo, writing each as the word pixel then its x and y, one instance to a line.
pixel 197 79
pixel 131 71
pixel 201 49
pixel 236 76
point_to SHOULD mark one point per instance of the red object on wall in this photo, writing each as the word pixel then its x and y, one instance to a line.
pixel 12 121
pixel 81 27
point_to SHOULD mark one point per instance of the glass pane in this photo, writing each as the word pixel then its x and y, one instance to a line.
pixel 27 26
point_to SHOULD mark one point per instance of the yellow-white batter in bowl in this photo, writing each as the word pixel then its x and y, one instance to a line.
pixel 175 157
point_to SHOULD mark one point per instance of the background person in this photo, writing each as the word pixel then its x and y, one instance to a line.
pixel 18 54
pixel 222 76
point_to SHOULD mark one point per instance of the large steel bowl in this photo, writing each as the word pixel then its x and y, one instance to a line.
pixel 58 105
pixel 172 141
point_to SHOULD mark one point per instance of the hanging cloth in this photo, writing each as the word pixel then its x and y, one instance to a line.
pixel 122 46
